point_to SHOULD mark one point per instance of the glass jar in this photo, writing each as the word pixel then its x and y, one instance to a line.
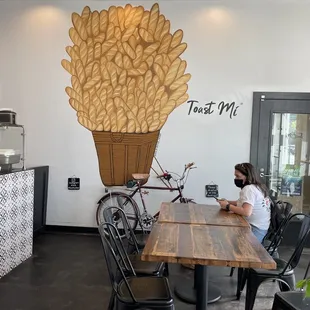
pixel 11 148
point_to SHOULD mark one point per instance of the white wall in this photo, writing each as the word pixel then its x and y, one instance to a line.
pixel 233 50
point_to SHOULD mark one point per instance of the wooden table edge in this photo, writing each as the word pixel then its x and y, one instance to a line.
pixel 247 225
pixel 217 263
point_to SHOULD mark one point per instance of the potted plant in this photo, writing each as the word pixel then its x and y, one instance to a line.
pixel 305 285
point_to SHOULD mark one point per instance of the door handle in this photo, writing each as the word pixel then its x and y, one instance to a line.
pixel 263 175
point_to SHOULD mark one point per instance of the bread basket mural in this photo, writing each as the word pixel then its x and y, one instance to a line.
pixel 127 77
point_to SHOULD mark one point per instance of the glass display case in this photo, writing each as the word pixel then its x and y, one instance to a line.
pixel 12 143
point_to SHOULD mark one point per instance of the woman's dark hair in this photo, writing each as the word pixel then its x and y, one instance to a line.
pixel 252 177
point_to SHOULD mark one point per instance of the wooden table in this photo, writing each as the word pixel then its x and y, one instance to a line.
pixel 190 213
pixel 205 245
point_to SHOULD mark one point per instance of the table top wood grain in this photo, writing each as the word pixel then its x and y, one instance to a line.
pixel 189 213
pixel 206 245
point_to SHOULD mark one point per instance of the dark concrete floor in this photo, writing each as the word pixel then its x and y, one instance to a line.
pixel 69 272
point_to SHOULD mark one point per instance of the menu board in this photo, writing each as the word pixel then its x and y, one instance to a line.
pixel 212 190
pixel 73 183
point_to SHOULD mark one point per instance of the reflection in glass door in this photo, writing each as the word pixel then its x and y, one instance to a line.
pixel 289 177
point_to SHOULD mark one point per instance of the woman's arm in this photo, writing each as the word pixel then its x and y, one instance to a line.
pixel 245 210
pixel 232 202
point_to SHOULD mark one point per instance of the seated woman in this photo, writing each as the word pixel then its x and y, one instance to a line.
pixel 253 202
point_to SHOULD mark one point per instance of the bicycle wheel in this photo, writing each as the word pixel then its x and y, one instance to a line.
pixel 121 200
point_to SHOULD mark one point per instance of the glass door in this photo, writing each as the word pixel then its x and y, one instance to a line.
pixel 289 178
pixel 280 146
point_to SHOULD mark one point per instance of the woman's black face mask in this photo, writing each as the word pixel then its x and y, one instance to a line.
pixel 239 183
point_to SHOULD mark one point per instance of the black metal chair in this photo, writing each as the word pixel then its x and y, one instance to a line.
pixel 141 268
pixel 132 292
pixel 291 300
pixel 280 213
pixel 279 218
pixel 284 273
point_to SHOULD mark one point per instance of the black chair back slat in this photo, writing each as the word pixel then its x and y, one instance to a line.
pixel 119 249
pixel 302 238
pixel 112 213
pixel 280 211
pixel 307 271
pixel 115 269
pixel 137 214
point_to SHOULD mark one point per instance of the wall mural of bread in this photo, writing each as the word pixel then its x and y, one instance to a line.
pixel 127 77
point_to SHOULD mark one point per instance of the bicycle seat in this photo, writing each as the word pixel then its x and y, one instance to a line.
pixel 140 176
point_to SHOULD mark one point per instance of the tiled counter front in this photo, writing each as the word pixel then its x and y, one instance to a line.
pixel 16 219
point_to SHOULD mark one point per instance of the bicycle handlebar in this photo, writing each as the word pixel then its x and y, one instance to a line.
pixel 166 174
pixel 189 165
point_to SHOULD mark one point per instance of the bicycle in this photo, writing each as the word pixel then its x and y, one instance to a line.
pixel 130 206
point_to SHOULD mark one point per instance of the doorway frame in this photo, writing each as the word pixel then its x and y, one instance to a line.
pixel 257 117
pixel 258 98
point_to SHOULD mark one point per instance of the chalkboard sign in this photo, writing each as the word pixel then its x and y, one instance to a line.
pixel 212 190
pixel 73 184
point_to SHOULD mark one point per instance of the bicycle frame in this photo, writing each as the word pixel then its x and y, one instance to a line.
pixel 171 189
pixel 141 185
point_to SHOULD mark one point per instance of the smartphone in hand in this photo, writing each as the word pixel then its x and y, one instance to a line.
pixel 219 199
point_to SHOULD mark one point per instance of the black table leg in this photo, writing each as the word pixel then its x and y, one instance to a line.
pixel 202 282
pixel 186 290
pixel 242 278
pixel 239 283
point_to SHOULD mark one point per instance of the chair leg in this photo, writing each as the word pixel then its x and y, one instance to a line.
pixel 112 300
pixel 232 269
pixel 166 270
pixel 251 291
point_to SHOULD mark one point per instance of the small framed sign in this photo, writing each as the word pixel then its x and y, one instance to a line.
pixel 73 183
pixel 212 190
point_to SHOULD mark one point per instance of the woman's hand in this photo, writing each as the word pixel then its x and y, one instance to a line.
pixel 223 203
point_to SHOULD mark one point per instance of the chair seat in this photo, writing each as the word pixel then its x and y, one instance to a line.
pixel 280 266
pixel 145 268
pixel 140 176
pixel 145 289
